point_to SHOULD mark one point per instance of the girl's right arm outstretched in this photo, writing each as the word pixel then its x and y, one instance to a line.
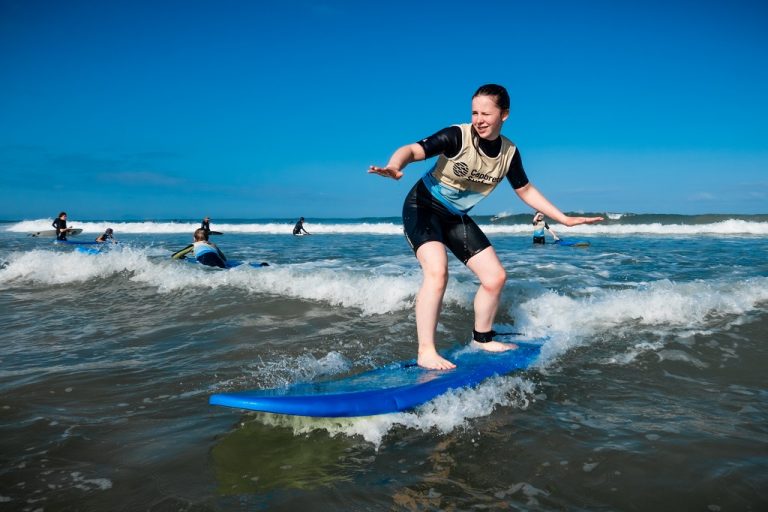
pixel 399 159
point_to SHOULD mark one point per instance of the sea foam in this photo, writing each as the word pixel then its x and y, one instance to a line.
pixel 725 227
pixel 373 290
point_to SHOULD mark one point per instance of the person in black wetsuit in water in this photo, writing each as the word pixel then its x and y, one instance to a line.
pixel 60 224
pixel 298 229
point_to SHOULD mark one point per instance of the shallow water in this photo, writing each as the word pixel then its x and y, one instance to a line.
pixel 650 394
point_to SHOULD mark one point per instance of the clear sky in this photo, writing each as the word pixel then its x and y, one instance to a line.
pixel 247 109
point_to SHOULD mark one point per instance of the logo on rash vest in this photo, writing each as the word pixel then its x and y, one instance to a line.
pixel 460 169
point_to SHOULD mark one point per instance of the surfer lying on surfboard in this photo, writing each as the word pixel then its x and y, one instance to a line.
pixel 107 236
pixel 205 251
pixel 473 159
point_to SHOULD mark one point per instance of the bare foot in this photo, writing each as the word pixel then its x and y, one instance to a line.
pixel 494 346
pixel 434 361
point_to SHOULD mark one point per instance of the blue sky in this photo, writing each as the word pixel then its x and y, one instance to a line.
pixel 134 110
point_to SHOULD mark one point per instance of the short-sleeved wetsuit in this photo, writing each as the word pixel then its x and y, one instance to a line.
pixel 209 254
pixel 538 231
pixel 467 170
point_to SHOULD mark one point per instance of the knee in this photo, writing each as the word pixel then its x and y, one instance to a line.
pixel 436 277
pixel 495 281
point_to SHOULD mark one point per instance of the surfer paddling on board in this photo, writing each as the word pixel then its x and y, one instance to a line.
pixel 60 224
pixel 539 225
pixel 107 236
pixel 473 159
pixel 206 252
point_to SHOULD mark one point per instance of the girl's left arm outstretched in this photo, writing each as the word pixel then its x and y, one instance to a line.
pixel 536 200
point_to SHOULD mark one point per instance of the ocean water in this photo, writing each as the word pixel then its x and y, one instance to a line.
pixel 651 392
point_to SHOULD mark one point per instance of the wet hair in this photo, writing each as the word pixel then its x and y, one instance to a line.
pixel 201 235
pixel 62 213
pixel 109 230
pixel 497 91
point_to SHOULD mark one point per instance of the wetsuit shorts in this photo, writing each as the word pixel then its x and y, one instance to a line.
pixel 425 219
pixel 539 240
pixel 211 259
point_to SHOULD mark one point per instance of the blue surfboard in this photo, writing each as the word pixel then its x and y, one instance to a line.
pixel 88 250
pixel 393 388
pixel 230 263
pixel 74 242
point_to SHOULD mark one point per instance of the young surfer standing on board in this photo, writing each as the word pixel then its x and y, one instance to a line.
pixel 473 159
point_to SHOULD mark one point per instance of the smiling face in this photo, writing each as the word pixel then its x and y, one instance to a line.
pixel 487 117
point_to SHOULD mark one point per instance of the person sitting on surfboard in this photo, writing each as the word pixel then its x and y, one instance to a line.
pixel 473 159
pixel 60 223
pixel 206 252
pixel 539 225
pixel 109 234
pixel 298 229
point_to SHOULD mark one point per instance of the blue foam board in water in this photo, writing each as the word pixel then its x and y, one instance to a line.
pixel 88 250
pixel 394 388
pixel 74 242
pixel 231 263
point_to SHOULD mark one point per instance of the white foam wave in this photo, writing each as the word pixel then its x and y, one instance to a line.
pixel 664 305
pixel 726 227
pixel 376 290
pixel 258 228
pixel 64 267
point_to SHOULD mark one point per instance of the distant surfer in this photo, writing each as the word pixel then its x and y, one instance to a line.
pixel 60 224
pixel 108 235
pixel 539 225
pixel 206 225
pixel 298 229
pixel 473 159
pixel 206 252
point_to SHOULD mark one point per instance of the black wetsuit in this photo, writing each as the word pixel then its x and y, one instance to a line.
pixel 299 227
pixel 206 225
pixel 426 219
pixel 61 228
